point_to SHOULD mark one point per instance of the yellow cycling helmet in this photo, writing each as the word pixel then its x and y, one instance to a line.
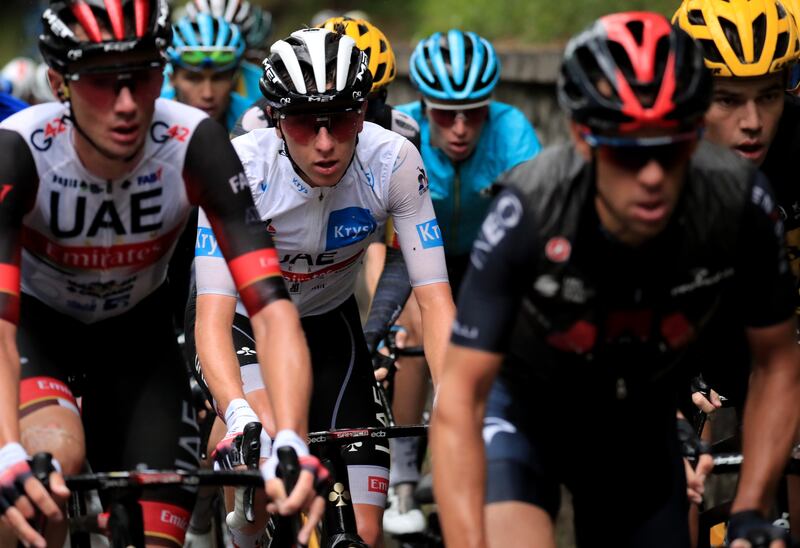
pixel 742 38
pixel 370 39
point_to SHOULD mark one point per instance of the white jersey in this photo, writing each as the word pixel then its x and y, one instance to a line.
pixel 321 233
pixel 93 248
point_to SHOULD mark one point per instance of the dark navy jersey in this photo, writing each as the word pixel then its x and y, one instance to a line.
pixel 565 301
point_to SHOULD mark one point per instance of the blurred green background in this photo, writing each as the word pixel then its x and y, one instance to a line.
pixel 508 22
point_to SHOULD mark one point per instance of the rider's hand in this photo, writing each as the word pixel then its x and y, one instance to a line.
pixel 696 477
pixel 707 404
pixel 749 529
pixel 239 414
pixel 21 493
pixel 306 495
pixel 400 339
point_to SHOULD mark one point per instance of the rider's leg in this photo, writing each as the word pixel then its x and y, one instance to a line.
pixel 508 522
pixel 344 396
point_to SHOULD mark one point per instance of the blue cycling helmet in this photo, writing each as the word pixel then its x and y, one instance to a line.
pixel 457 66
pixel 207 42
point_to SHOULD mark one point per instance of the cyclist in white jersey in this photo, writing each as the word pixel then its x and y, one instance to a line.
pixel 95 190
pixel 324 182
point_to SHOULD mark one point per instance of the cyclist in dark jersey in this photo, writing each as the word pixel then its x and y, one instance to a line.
pixel 751 114
pixel 94 194
pixel 595 270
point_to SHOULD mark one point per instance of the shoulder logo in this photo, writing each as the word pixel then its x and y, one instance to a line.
pixel 422 178
pixel 42 138
pixel 558 249
pixel 161 132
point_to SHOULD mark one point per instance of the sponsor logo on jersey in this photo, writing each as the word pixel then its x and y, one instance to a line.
pixel 135 255
pixel 42 138
pixel 702 278
pixel 206 243
pixel 107 216
pixel 470 332
pixel 300 187
pixel 558 249
pixel 422 178
pixel 377 484
pixel 150 178
pixel 429 234
pixel 161 132
pixel 348 226
pixel 238 183
pixel 4 190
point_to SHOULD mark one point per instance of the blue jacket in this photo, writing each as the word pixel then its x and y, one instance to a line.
pixel 461 192
pixel 10 105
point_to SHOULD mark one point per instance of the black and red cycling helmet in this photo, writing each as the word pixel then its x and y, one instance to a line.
pixel 633 70
pixel 136 26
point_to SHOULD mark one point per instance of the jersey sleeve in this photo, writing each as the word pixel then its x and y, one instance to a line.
pixel 412 213
pixel 763 278
pixel 502 259
pixel 18 185
pixel 216 182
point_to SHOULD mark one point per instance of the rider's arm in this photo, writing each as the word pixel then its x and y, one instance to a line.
pixel 18 183
pixel 391 295
pixel 488 304
pixel 771 412
pixel 423 249
pixel 216 181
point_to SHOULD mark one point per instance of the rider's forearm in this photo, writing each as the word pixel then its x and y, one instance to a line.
pixel 9 383
pixel 215 348
pixel 770 423
pixel 285 364
pixel 459 466
pixel 438 311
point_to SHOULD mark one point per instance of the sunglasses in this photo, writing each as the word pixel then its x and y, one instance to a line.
pixel 303 128
pixel 102 88
pixel 633 154
pixel 447 117
pixel 218 58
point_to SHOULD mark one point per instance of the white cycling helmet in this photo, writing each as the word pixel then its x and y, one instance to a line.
pixel 20 72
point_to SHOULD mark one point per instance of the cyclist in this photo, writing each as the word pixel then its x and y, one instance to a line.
pixel 324 182
pixel 256 26
pixel 9 104
pixel 751 114
pixel 595 269
pixel 468 139
pixel 20 73
pixel 95 191
pixel 205 55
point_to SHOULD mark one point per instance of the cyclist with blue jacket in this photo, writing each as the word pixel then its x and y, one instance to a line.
pixel 206 53
pixel 468 140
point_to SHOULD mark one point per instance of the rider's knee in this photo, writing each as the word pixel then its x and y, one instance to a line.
pixel 56 431
pixel 50 422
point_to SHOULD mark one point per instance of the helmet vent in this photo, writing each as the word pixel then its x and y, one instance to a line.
pixel 696 17
pixel 637 30
pixel 732 36
pixel 711 52
pixel 782 44
pixel 759 36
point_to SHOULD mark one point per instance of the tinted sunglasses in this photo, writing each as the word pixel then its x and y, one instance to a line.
pixel 218 58
pixel 447 117
pixel 303 128
pixel 102 88
pixel 633 154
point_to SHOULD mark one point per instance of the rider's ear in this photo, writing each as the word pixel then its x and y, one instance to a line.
pixel 580 143
pixel 57 85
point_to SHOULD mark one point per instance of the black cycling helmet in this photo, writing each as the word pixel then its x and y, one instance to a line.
pixel 136 26
pixel 634 70
pixel 313 69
